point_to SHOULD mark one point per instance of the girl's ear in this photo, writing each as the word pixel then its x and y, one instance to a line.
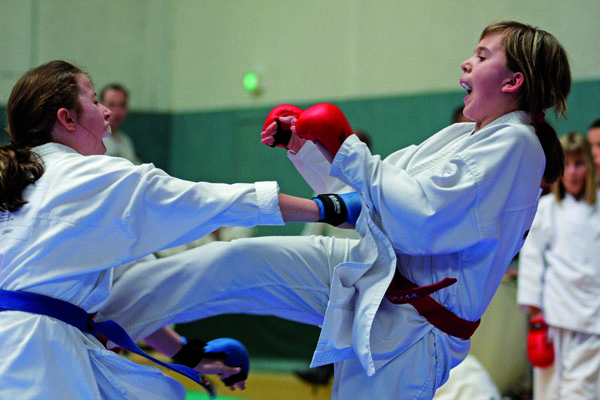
pixel 65 119
pixel 514 83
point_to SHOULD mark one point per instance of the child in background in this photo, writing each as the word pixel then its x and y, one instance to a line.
pixel 594 139
pixel 559 266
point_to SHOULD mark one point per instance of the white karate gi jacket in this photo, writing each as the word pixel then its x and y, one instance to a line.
pixel 559 265
pixel 459 205
pixel 84 216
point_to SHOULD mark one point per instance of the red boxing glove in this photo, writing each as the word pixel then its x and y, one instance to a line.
pixel 283 134
pixel 540 349
pixel 326 123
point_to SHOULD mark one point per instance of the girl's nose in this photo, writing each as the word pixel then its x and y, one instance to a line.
pixel 465 66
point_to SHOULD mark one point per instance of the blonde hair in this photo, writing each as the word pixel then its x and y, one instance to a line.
pixel 547 82
pixel 576 143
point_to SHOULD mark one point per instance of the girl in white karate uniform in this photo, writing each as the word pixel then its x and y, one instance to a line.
pixel 457 206
pixel 69 215
pixel 559 267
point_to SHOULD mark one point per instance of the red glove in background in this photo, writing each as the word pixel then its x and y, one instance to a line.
pixel 540 349
pixel 283 134
pixel 326 123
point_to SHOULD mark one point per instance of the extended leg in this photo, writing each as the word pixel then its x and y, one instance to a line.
pixel 288 277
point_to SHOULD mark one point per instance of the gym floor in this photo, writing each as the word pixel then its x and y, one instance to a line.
pixel 267 381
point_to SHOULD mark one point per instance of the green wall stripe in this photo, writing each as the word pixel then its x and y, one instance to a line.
pixel 223 146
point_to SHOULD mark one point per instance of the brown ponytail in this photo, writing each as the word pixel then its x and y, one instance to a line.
pixel 545 67
pixel 553 151
pixel 19 167
pixel 31 113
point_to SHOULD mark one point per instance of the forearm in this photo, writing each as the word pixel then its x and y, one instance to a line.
pixel 296 209
pixel 165 340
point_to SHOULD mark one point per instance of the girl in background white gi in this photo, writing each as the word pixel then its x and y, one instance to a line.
pixel 69 215
pixel 559 270
pixel 459 205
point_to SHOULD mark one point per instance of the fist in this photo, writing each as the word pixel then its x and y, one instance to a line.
pixel 283 132
pixel 233 353
pixel 325 123
pixel 540 349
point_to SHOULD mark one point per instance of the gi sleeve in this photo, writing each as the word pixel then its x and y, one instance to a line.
pixel 166 211
pixel 532 262
pixel 452 204
pixel 146 210
pixel 314 168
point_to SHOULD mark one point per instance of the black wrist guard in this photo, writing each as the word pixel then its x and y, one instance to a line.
pixel 190 354
pixel 335 212
pixel 281 137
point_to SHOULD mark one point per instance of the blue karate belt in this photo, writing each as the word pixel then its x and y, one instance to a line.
pixel 73 315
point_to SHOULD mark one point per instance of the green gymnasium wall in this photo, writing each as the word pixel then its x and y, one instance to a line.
pixel 151 133
pixel 223 146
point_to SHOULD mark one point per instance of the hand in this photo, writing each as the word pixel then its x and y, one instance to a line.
pixel 533 311
pixel 233 353
pixel 277 128
pixel 225 357
pixel 209 366
pixel 295 142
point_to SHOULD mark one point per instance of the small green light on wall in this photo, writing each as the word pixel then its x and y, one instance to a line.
pixel 250 81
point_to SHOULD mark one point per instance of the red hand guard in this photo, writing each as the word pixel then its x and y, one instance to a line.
pixel 540 349
pixel 326 123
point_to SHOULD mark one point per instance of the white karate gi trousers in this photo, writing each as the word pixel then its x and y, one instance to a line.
pixel 287 277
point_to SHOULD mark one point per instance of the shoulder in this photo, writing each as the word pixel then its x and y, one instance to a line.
pixel 513 127
pixel 511 131
pixel 68 166
pixel 451 133
pixel 508 140
pixel 433 144
pixel 508 155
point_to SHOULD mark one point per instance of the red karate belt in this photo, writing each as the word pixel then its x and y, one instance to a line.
pixel 402 291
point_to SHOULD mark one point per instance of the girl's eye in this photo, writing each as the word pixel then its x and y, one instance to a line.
pixel 481 58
